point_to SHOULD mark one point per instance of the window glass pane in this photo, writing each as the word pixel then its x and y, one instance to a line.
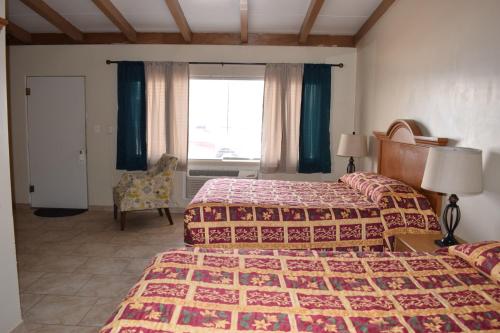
pixel 225 118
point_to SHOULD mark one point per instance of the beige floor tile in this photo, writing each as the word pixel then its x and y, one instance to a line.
pixel 102 236
pixel 125 238
pixel 30 234
pixel 108 285
pixel 163 229
pixel 56 264
pixel 101 224
pixel 100 312
pixel 59 283
pixel 100 265
pixel 60 310
pixel 58 224
pixel 27 260
pixel 162 238
pixel 56 255
pixel 59 235
pixel 136 266
pixel 41 328
pixel 28 300
pixel 27 278
pixel 137 251
pixel 97 250
pixel 26 223
pixel 27 246
pixel 57 248
pixel 81 329
pixel 91 226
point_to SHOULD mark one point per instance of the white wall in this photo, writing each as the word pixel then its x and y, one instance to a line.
pixel 439 62
pixel 10 313
pixel 89 61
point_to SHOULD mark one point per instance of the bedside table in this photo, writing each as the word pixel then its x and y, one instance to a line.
pixel 418 243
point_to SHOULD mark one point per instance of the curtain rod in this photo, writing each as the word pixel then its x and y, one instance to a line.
pixel 340 65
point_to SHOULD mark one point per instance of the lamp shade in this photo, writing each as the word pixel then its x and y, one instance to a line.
pixel 454 170
pixel 352 145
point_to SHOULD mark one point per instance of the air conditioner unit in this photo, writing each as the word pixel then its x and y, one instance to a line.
pixel 196 178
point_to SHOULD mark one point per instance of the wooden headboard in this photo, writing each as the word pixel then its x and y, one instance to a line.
pixel 402 153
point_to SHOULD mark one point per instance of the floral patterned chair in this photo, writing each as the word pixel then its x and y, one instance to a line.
pixel 145 190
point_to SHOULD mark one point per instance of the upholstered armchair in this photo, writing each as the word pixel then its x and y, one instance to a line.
pixel 145 190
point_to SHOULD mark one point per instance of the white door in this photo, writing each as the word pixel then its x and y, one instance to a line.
pixel 56 142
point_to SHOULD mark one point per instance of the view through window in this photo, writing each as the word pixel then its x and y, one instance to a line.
pixel 225 118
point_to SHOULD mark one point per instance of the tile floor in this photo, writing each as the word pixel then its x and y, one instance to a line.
pixel 73 271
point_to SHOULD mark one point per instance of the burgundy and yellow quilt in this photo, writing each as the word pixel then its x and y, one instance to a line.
pixel 359 213
pixel 231 290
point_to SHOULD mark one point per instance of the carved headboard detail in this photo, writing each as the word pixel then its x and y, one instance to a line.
pixel 402 153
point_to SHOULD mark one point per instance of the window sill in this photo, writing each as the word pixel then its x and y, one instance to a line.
pixel 223 163
pixel 227 160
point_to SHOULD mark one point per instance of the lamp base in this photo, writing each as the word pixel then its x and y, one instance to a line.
pixel 448 240
pixel 351 167
pixel 451 218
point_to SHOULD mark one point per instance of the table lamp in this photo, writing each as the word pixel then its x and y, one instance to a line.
pixel 453 170
pixel 352 145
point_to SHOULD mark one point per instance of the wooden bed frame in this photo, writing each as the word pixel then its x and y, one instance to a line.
pixel 402 153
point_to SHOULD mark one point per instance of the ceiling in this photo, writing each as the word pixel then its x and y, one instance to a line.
pixel 337 17
pixel 227 22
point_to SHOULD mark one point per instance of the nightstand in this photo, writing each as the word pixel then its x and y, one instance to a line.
pixel 418 243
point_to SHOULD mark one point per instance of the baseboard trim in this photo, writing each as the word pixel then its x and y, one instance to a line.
pixel 99 208
pixel 21 328
pixel 177 210
pixel 103 208
pixel 22 206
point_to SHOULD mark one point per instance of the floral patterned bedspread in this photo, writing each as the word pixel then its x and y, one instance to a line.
pixel 273 214
pixel 231 290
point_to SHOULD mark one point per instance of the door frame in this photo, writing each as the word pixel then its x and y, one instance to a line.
pixel 85 144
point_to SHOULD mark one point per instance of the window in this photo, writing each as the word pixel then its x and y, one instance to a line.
pixel 225 118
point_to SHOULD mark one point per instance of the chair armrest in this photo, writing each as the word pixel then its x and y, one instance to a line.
pixel 161 183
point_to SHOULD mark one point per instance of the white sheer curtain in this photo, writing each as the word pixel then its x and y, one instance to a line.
pixel 167 100
pixel 281 118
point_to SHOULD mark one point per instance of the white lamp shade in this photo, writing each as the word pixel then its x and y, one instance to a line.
pixel 352 145
pixel 454 170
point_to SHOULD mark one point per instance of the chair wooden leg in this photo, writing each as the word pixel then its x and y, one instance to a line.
pixel 123 217
pixel 115 212
pixel 167 212
pixel 160 211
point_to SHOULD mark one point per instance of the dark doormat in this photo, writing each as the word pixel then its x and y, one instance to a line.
pixel 58 212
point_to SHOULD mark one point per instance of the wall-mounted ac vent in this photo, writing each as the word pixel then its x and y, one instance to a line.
pixel 196 178
pixel 213 173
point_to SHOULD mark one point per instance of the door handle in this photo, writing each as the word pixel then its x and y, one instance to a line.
pixel 82 154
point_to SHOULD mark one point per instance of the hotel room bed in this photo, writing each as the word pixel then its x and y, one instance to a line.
pixel 362 212
pixel 359 213
pixel 228 290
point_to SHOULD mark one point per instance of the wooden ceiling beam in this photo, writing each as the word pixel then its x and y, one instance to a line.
pixel 180 19
pixel 244 20
pixel 19 33
pixel 45 11
pixel 374 17
pixel 197 38
pixel 114 15
pixel 312 14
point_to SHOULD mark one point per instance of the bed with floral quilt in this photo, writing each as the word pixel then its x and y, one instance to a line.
pixel 361 212
pixel 238 290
